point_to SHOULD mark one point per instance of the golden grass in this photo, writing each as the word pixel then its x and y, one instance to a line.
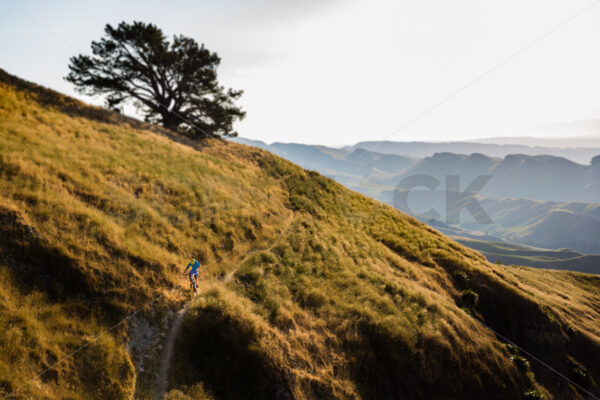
pixel 333 295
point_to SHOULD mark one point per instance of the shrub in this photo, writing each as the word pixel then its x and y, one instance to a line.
pixel 469 298
pixel 512 349
pixel 461 278
pixel 579 374
pixel 520 362
pixel 571 331
pixel 533 394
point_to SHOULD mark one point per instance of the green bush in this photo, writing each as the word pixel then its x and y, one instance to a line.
pixel 469 298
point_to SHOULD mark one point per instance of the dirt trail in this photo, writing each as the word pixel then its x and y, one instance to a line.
pixel 166 355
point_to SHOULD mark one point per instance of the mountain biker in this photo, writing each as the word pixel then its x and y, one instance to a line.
pixel 193 266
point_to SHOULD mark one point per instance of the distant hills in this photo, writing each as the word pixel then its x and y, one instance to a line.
pixel 500 244
pixel 553 142
pixel 551 225
pixel 358 169
pixel 540 223
pixel 540 177
pixel 581 155
pixel 508 254
pixel 357 162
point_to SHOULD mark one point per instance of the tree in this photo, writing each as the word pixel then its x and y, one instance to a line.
pixel 172 83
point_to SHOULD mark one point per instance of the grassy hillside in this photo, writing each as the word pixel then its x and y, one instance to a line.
pixel 311 290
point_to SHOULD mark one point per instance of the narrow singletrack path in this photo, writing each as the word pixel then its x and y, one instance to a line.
pixel 166 355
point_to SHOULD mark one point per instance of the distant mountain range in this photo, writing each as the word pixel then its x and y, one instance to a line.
pixel 334 160
pixel 539 177
pixel 581 155
pixel 553 142
pixel 358 169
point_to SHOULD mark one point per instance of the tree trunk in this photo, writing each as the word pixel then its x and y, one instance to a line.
pixel 170 120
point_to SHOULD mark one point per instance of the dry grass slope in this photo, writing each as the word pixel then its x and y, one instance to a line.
pixel 333 295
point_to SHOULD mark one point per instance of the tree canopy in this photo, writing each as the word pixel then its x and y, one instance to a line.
pixel 170 82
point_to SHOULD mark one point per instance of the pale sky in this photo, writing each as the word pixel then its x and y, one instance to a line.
pixel 336 72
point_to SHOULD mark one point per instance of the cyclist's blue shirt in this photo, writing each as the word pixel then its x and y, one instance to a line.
pixel 194 266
